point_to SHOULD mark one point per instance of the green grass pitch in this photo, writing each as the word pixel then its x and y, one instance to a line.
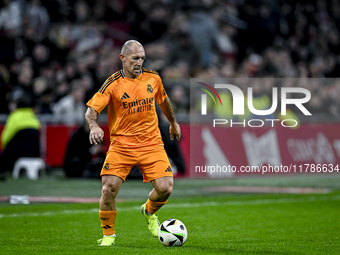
pixel 217 223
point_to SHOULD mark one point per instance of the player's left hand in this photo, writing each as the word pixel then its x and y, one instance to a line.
pixel 175 130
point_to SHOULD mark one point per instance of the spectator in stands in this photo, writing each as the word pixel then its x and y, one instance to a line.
pixel 38 18
pixel 40 58
pixel 24 81
pixel 20 137
pixel 204 31
pixel 4 90
pixel 227 69
pixel 45 102
pixel 171 146
pixel 11 17
pixel 81 157
pixel 151 21
pixel 157 53
pixel 226 42
pixel 71 108
pixel 180 103
pixel 183 50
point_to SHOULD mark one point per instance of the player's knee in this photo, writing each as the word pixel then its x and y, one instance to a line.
pixel 109 190
pixel 165 189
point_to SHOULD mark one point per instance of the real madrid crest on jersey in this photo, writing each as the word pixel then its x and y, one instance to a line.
pixel 106 166
pixel 149 89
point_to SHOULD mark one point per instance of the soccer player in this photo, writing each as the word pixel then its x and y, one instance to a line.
pixel 134 137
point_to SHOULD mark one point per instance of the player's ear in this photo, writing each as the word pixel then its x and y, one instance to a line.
pixel 122 57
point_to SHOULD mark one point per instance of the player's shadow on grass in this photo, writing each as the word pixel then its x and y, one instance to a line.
pixel 189 249
pixel 226 250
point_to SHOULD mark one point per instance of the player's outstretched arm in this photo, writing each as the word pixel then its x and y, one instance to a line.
pixel 96 133
pixel 169 114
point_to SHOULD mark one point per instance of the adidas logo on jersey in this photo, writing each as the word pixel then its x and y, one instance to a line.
pixel 168 169
pixel 125 96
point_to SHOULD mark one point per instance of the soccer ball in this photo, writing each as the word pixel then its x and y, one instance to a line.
pixel 172 232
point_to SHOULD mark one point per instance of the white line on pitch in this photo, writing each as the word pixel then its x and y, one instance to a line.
pixel 181 205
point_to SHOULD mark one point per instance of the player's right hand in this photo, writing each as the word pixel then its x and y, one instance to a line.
pixel 96 135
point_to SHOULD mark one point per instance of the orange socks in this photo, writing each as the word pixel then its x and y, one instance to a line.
pixel 107 219
pixel 152 206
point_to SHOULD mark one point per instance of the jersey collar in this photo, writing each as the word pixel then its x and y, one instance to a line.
pixel 123 75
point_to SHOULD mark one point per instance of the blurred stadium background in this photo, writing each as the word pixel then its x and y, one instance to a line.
pixel 60 52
